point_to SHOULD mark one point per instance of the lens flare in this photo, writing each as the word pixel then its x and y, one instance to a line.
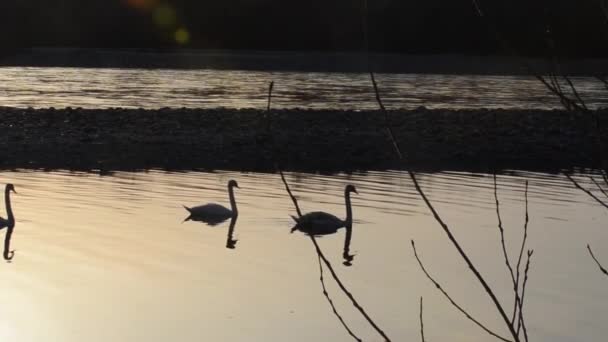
pixel 182 36
pixel 164 16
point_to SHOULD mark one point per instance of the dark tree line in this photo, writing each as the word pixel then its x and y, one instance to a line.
pixel 429 26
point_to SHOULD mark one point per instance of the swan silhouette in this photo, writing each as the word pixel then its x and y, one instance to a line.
pixel 322 223
pixel 8 223
pixel 213 213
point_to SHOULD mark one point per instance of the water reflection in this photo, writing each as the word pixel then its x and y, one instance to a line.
pixel 230 240
pixel 8 223
pixel 158 88
pixel 62 262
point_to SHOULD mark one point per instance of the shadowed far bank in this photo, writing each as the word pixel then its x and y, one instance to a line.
pixel 309 61
pixel 302 140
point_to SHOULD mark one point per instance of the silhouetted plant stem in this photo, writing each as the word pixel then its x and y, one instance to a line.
pixel 293 198
pixel 421 322
pixel 592 195
pixel 331 303
pixel 599 187
pixel 444 226
pixel 449 298
pixel 521 321
pixel 521 251
pixel 270 87
pixel 597 261
pixel 346 291
pixel 502 235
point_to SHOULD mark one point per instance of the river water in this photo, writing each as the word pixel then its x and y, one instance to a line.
pixel 109 258
pixel 146 88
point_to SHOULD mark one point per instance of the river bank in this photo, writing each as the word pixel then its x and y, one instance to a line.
pixel 303 140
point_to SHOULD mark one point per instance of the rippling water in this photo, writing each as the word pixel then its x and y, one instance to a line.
pixel 102 258
pixel 135 88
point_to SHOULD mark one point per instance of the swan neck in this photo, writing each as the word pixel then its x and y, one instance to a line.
pixel 349 210
pixel 9 208
pixel 232 201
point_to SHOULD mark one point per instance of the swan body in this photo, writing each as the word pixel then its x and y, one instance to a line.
pixel 322 223
pixel 213 213
pixel 3 223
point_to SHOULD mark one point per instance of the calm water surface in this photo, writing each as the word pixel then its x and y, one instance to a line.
pixel 108 258
pixel 134 88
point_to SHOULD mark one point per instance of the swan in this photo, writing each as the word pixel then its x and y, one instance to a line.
pixel 322 223
pixel 9 222
pixel 213 213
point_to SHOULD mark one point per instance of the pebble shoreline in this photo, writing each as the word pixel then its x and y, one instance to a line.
pixel 298 140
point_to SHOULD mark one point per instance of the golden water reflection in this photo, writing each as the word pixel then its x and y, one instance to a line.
pixel 103 258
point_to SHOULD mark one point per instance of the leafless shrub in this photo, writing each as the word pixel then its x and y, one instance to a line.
pixel 516 325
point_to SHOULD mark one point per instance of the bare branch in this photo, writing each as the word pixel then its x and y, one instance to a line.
pixel 597 261
pixel 421 322
pixel 592 195
pixel 331 303
pixel 576 93
pixel 521 321
pixel 521 253
pixel 599 186
pixel 293 198
pixel 463 311
pixel 346 292
pixel 270 87
pixel 502 233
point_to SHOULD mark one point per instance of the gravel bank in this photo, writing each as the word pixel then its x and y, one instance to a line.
pixel 320 140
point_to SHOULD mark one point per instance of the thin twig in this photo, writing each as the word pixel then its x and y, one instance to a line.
pixel 436 214
pixel 346 292
pixel 463 311
pixel 575 92
pixel 597 261
pixel 293 198
pixel 599 186
pixel 270 87
pixel 521 321
pixel 521 251
pixel 421 322
pixel 592 195
pixel 502 233
pixel 462 253
pixel 331 303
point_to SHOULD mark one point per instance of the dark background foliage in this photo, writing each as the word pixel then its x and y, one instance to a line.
pixel 578 27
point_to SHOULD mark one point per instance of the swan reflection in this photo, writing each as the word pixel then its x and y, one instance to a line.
pixel 8 223
pixel 212 222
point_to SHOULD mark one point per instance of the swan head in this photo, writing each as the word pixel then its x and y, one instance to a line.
pixel 233 184
pixel 10 187
pixel 350 188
